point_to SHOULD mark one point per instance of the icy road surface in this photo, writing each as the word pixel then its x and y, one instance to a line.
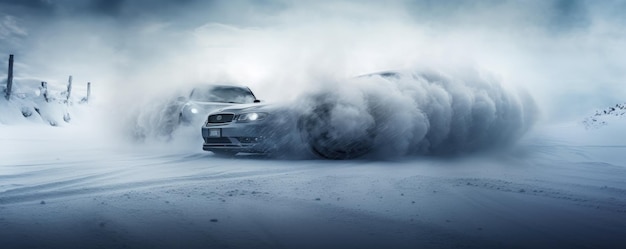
pixel 61 188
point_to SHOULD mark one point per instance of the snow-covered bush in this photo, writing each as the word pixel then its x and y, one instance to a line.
pixel 603 117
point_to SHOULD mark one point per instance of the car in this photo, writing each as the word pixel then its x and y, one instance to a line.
pixel 274 128
pixel 204 99
pixel 268 129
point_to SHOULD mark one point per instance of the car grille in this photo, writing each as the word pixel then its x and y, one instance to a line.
pixel 220 118
pixel 217 140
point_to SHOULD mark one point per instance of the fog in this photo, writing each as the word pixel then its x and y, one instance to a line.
pixel 470 78
pixel 568 55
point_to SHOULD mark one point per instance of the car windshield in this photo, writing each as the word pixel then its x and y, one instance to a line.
pixel 224 94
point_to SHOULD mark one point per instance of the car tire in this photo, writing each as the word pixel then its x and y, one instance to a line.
pixel 315 128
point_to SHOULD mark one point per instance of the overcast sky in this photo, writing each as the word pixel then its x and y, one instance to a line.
pixel 571 55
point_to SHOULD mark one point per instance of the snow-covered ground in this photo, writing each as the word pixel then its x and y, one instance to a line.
pixel 83 184
pixel 73 187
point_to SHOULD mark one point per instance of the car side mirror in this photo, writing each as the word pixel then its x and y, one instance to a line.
pixel 257 101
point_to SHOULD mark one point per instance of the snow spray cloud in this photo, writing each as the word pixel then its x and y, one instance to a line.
pixel 400 113
pixel 135 50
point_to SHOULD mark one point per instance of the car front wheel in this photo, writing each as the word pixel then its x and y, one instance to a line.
pixel 323 139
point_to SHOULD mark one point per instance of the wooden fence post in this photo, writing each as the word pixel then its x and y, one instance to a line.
pixel 9 78
pixel 88 91
pixel 69 88
pixel 44 90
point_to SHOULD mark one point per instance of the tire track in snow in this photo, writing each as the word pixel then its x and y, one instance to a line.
pixel 615 203
pixel 136 173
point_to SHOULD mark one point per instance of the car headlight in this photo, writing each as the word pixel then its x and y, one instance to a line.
pixel 189 112
pixel 251 117
pixel 190 108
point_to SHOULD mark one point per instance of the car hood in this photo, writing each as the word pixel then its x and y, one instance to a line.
pixel 209 106
pixel 239 108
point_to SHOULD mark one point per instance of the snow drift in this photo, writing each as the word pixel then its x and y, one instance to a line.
pixel 31 102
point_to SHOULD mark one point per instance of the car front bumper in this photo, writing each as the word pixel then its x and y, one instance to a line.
pixel 235 137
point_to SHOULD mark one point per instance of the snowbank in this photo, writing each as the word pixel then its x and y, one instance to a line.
pixel 32 102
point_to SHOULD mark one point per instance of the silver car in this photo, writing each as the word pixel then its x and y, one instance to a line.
pixel 282 129
pixel 288 128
